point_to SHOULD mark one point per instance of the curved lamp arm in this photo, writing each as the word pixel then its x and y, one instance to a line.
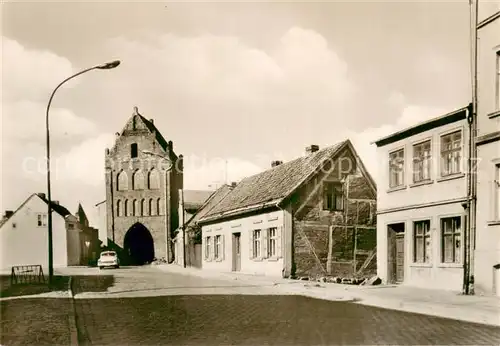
pixel 105 66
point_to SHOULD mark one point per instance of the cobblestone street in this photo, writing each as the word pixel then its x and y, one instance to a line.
pixel 150 307
pixel 35 321
pixel 222 312
pixel 263 320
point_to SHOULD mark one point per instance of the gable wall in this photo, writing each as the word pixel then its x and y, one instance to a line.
pixel 22 242
pixel 119 159
pixel 323 241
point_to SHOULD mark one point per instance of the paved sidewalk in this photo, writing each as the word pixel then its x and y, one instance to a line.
pixel 478 309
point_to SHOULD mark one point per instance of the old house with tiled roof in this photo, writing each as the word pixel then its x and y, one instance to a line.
pixel 313 216
pixel 24 236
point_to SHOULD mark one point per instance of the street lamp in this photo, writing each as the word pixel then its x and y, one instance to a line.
pixel 167 202
pixel 105 66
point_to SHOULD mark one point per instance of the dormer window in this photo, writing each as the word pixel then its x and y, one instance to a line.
pixel 133 150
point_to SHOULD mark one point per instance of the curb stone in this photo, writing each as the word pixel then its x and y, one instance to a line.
pixel 73 330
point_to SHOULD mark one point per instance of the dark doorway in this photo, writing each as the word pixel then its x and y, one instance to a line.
pixel 396 253
pixel 138 245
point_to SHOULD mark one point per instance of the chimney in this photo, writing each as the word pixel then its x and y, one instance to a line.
pixel 152 121
pixel 8 213
pixel 41 195
pixel 55 202
pixel 233 184
pixel 312 149
pixel 276 163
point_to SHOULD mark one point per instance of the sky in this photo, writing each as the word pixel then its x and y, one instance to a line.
pixel 233 85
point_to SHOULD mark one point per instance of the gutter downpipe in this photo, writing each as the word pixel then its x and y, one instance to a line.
pixel 283 250
pixel 469 236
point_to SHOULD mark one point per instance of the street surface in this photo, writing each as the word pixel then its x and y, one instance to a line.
pixel 192 310
pixel 142 305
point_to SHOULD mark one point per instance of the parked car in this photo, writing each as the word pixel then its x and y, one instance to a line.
pixel 108 259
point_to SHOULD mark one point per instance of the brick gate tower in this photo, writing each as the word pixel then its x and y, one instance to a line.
pixel 143 177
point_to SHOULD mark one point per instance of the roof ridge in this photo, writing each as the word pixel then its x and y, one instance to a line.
pixel 210 198
pixel 276 183
pixel 296 159
pixel 20 206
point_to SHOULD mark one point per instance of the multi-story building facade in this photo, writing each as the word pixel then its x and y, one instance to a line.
pixel 143 177
pixel 421 199
pixel 486 254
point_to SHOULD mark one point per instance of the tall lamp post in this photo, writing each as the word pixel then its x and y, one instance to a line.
pixel 167 196
pixel 105 66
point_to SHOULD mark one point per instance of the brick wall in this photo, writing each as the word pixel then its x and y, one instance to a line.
pixel 119 159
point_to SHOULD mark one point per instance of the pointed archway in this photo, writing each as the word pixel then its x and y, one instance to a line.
pixel 138 245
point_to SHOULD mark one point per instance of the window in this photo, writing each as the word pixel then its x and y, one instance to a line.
pixel 118 208
pixel 138 180
pixel 158 207
pixel 153 179
pixel 256 243
pixel 333 198
pixel 207 247
pixel 451 234
pixel 218 247
pixel 71 226
pixel 422 162
pixel 122 181
pixel 143 207
pixel 496 184
pixel 133 150
pixel 396 168
pixel 271 242
pixel 125 208
pixel 41 220
pixel 135 209
pixel 422 241
pixel 151 207
pixel 451 153
pixel 498 82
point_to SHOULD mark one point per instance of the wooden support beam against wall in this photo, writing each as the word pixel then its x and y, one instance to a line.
pixel 330 251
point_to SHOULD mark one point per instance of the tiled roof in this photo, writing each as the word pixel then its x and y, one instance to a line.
pixel 209 204
pixel 55 207
pixel 194 199
pixel 274 184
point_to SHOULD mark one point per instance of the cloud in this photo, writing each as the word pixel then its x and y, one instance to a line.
pixel 28 78
pixel 213 80
pixel 410 116
pixel 29 74
pixel 24 120
pixel 84 163
pixel 208 173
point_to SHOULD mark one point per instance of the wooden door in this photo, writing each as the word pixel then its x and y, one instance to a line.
pixel 400 257
pixel 236 252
